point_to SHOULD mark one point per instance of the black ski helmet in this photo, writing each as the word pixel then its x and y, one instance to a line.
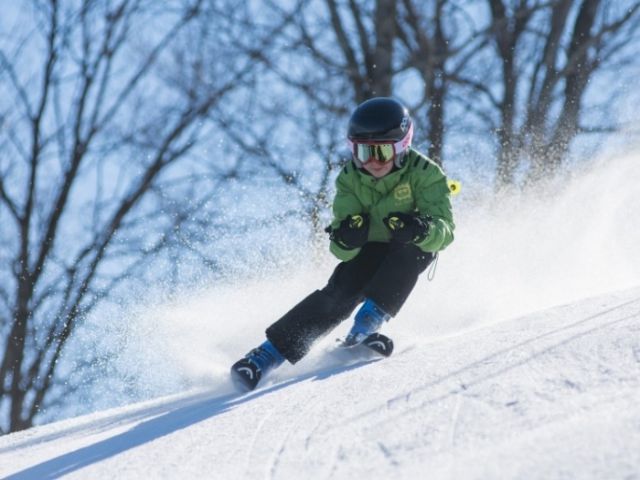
pixel 381 119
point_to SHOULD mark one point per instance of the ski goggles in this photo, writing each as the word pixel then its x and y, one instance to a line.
pixel 381 152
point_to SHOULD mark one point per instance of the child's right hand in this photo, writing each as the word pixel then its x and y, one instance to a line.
pixel 352 232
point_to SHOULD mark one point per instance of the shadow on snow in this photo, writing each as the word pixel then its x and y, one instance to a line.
pixel 178 418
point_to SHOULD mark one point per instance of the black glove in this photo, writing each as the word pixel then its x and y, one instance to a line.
pixel 406 227
pixel 352 232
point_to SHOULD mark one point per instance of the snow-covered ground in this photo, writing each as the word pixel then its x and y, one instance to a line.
pixel 554 394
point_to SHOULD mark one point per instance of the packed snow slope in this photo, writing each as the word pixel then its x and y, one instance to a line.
pixel 554 394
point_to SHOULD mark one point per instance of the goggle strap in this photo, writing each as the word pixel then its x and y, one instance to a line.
pixel 405 143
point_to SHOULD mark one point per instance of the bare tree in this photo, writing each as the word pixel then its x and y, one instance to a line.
pixel 437 46
pixel 95 132
pixel 300 133
pixel 516 73
pixel 367 50
pixel 352 51
pixel 547 54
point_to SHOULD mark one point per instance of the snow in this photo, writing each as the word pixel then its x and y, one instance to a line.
pixel 521 360
pixel 554 394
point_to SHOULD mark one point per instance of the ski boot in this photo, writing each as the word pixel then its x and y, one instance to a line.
pixel 368 321
pixel 247 372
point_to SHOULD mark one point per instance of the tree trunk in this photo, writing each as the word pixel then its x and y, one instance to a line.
pixel 385 31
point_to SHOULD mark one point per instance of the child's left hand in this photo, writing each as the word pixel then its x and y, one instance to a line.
pixel 406 227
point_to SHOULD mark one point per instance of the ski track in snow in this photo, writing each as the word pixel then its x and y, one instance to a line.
pixel 551 395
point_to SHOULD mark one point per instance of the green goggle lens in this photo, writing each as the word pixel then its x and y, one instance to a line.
pixel 383 152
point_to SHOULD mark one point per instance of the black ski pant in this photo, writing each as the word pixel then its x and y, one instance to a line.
pixel 384 272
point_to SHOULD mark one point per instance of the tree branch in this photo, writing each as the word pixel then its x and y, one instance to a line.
pixel 352 68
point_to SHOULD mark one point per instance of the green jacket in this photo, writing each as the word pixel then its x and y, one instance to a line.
pixel 420 186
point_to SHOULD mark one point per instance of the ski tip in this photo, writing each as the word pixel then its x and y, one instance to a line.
pixel 245 376
pixel 380 344
pixel 377 342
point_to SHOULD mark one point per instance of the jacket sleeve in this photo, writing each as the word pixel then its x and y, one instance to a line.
pixel 345 203
pixel 433 200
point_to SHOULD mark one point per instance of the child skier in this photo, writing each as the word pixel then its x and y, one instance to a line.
pixel 392 215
